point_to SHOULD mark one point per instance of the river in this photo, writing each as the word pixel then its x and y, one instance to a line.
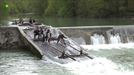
pixel 23 62
pixel 112 59
pixel 64 22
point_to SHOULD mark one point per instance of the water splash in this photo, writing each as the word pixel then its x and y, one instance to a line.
pixel 115 39
pixel 108 46
pixel 97 66
pixel 97 39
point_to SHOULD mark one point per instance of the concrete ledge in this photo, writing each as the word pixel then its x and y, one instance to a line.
pixel 30 45
pixel 85 32
pixel 86 27
pixel 9 38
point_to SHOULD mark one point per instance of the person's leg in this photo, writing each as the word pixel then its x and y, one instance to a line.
pixel 62 55
pixel 81 52
pixel 64 41
pixel 46 38
pixel 49 39
pixel 38 36
pixel 58 39
pixel 35 36
pixel 43 39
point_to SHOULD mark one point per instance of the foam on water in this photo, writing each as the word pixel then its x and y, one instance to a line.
pixel 115 39
pixel 99 65
pixel 97 39
pixel 108 46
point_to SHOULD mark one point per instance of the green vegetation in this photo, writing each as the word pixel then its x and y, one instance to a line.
pixel 3 9
pixel 71 8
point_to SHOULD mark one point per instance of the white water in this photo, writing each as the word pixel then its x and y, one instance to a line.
pixel 100 39
pixel 97 66
pixel 108 46
pixel 115 39
pixel 97 39
pixel 100 65
pixel 28 65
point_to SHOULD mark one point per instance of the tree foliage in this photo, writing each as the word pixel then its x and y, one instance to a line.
pixel 3 9
pixel 73 8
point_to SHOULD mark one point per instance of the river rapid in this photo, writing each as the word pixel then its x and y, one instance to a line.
pixel 112 59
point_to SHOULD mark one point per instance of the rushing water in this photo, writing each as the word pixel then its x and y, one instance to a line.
pixel 22 62
pixel 97 39
pixel 112 59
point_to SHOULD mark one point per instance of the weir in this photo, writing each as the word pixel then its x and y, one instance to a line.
pixel 19 37
pixel 14 37
pixel 86 33
pixel 55 50
pixel 94 35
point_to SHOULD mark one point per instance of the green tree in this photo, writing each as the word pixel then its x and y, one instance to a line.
pixel 71 8
pixel 3 9
pixel 90 8
pixel 52 8
pixel 67 8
